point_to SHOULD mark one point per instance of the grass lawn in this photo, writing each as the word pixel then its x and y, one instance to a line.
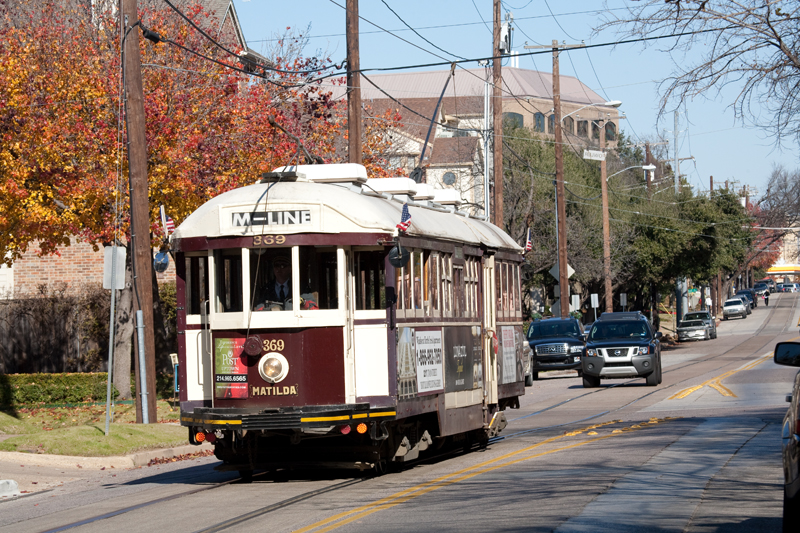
pixel 80 430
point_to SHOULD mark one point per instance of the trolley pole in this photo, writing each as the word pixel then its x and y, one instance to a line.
pixel 140 208
pixel 354 85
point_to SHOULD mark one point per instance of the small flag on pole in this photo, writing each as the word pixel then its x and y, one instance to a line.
pixel 167 223
pixel 405 219
pixel 528 243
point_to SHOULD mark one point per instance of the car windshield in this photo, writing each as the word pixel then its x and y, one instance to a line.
pixel 554 329
pixel 696 316
pixel 618 330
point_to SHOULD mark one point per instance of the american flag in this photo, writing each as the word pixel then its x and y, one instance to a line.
pixel 167 223
pixel 528 243
pixel 405 219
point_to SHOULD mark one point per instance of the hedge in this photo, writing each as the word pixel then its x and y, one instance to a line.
pixel 17 390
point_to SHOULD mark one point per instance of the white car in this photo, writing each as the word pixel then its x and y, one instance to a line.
pixel 734 307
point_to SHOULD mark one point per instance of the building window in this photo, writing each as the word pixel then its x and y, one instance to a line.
pixel 569 126
pixel 595 131
pixel 512 120
pixel 449 178
pixel 583 128
pixel 611 131
pixel 538 122
pixel 551 124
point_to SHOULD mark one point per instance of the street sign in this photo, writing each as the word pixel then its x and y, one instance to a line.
pixel 576 303
pixel 623 299
pixel 554 271
pixel 595 302
pixel 597 155
pixel 555 309
pixel 114 256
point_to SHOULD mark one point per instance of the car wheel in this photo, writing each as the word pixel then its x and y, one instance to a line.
pixel 791 513
pixel 724 318
pixel 706 336
pixel 590 382
pixel 652 378
pixel 534 376
pixel 660 373
pixel 528 380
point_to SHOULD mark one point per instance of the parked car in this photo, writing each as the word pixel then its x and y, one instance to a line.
pixel 793 287
pixel 760 288
pixel 707 329
pixel 747 298
pixel 622 345
pixel 556 344
pixel 734 307
pixel 788 353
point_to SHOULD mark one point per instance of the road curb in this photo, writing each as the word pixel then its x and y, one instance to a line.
pixel 121 461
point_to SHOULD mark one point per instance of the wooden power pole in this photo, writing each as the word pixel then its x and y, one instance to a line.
pixel 354 86
pixel 140 208
pixel 497 120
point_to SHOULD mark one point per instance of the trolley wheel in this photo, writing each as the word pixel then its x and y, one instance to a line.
pixel 528 380
pixel 246 475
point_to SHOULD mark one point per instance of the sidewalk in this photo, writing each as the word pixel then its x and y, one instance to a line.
pixel 24 473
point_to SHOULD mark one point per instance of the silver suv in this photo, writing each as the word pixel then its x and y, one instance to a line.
pixel 734 307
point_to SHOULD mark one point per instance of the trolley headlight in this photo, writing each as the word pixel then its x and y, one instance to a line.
pixel 273 367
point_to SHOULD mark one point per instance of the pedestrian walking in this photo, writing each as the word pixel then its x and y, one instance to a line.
pixel 766 297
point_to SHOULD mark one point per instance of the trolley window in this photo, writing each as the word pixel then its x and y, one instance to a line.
pixel 370 280
pixel 271 279
pixel 196 282
pixel 228 265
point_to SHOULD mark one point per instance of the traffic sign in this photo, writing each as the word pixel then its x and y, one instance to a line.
pixel 554 271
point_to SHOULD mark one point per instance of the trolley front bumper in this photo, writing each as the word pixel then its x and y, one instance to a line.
pixel 287 418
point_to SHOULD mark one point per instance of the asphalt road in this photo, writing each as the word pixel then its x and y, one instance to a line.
pixel 699 453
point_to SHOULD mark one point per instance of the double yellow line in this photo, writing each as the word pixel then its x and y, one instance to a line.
pixel 404 496
pixel 716 382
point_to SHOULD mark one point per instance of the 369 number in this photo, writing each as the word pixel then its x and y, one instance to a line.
pixel 273 345
pixel 267 240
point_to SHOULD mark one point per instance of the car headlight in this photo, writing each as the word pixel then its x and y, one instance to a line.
pixel 273 367
pixel 590 352
pixel 644 350
pixel 575 349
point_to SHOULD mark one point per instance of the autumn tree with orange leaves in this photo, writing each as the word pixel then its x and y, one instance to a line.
pixel 63 169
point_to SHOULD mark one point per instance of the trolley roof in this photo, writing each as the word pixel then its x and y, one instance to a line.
pixel 350 206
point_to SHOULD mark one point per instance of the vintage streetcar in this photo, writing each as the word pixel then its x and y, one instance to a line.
pixel 314 330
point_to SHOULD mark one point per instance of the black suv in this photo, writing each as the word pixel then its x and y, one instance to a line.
pixel 622 345
pixel 556 344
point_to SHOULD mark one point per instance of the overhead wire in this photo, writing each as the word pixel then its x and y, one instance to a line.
pixel 417 33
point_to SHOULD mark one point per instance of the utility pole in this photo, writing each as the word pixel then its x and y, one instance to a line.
pixel 606 229
pixel 497 118
pixel 354 86
pixel 648 156
pixel 561 209
pixel 140 211
pixel 681 296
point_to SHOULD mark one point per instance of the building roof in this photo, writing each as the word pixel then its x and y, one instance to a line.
pixel 453 150
pixel 517 83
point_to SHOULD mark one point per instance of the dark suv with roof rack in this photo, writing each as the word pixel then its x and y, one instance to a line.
pixel 556 344
pixel 622 345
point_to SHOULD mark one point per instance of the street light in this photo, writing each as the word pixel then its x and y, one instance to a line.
pixel 648 168
pixel 610 103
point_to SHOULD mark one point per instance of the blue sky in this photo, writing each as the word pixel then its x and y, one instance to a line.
pixel 721 147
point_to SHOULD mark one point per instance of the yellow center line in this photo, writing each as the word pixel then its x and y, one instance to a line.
pixel 404 496
pixel 716 382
